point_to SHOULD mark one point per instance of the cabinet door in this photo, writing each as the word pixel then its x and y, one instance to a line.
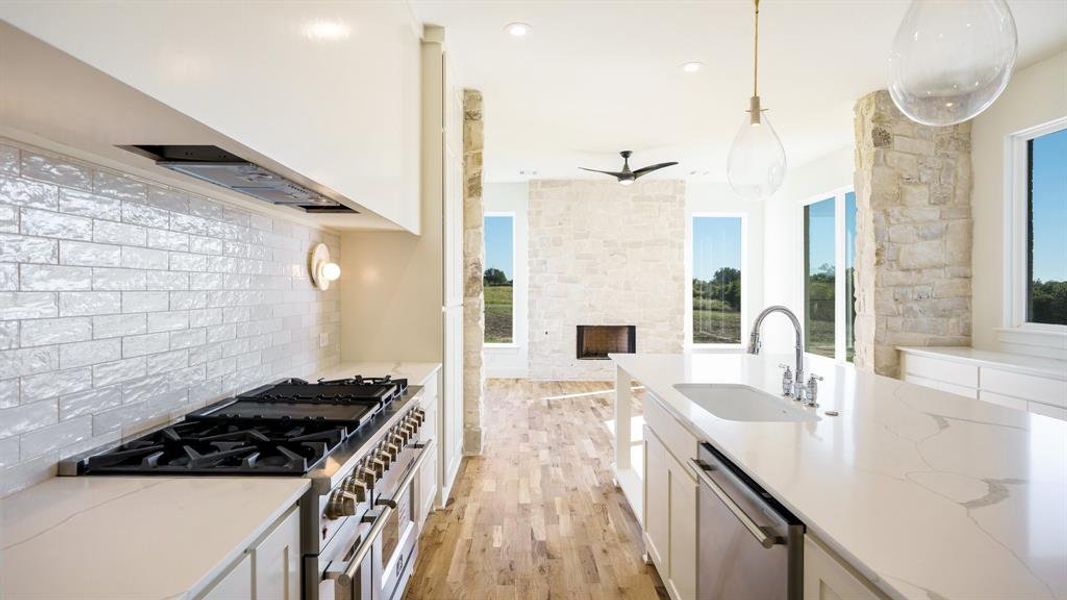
pixel 427 477
pixel 683 532
pixel 825 578
pixel 235 585
pixel 276 561
pixel 657 500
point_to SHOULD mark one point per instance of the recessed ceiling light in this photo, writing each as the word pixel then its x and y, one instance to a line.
pixel 692 66
pixel 518 29
pixel 326 30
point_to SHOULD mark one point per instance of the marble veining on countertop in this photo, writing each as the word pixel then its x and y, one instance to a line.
pixel 133 537
pixel 1045 367
pixel 928 494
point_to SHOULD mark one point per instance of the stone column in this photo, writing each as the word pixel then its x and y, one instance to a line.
pixel 913 234
pixel 473 267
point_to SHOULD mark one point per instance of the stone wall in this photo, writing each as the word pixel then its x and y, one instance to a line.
pixel 913 238
pixel 473 266
pixel 603 254
pixel 125 304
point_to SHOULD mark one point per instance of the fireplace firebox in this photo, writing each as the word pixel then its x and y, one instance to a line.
pixel 595 342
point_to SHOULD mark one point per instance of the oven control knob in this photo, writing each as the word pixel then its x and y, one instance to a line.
pixel 367 474
pixel 340 504
pixel 407 432
pixel 398 440
pixel 411 423
pixel 420 415
pixel 378 465
pixel 392 450
pixel 357 488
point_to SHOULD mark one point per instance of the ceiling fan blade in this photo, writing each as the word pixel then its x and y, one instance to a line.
pixel 612 173
pixel 650 168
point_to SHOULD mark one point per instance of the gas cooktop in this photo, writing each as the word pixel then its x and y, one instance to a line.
pixel 286 428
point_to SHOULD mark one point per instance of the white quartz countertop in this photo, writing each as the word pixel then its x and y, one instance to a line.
pixel 416 372
pixel 136 537
pixel 930 495
pixel 1045 367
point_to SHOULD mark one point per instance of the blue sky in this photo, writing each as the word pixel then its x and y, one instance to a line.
pixel 499 244
pixel 1050 206
pixel 821 232
pixel 716 244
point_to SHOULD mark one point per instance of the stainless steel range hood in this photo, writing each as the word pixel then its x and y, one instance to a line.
pixel 215 165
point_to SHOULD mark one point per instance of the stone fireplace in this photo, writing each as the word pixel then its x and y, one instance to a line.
pixel 595 342
pixel 603 254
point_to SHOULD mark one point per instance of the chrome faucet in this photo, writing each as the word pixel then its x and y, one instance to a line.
pixel 800 390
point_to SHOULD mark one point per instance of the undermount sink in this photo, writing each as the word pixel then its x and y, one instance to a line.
pixel 743 403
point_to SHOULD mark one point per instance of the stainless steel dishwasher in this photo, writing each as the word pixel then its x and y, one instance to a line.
pixel 749 547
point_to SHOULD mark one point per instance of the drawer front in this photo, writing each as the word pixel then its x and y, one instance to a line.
pixel 1002 400
pixel 1029 387
pixel 681 444
pixel 941 370
pixel 1049 411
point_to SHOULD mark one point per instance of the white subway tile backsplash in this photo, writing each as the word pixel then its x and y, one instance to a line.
pixel 53 169
pixel 124 304
pixel 89 254
pixel 57 383
pixel 89 303
pixel 74 202
pixel 28 193
pixel 28 417
pixel 9 219
pixel 140 345
pixel 168 321
pixel 27 305
pixel 45 223
pixel 119 279
pixel 119 186
pixel 144 258
pixel 41 332
pixel 142 302
pixel 105 326
pixel 54 437
pixel 55 278
pixel 110 232
pixel 90 353
pixel 22 249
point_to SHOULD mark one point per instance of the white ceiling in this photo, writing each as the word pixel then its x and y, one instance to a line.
pixel 595 77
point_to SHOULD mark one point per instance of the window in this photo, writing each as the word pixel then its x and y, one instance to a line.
pixel 1046 246
pixel 716 267
pixel 829 265
pixel 498 279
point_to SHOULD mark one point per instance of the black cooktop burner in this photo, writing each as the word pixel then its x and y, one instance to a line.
pixel 221 448
pixel 281 429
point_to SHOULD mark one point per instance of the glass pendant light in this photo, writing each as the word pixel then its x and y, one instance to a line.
pixel 756 165
pixel 951 59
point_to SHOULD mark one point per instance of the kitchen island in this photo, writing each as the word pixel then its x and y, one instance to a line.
pixel 923 493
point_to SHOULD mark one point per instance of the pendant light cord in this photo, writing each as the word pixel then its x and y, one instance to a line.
pixel 755 54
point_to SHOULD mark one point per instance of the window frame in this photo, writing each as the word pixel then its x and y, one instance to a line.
pixel 840 307
pixel 1016 282
pixel 514 276
pixel 745 276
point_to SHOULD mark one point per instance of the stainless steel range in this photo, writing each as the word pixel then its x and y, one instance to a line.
pixel 360 441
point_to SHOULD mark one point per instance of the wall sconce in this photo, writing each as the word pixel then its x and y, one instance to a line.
pixel 323 270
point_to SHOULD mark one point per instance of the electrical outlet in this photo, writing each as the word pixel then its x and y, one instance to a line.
pixel 324 340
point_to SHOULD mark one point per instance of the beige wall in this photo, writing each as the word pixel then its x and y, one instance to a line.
pixel 1036 95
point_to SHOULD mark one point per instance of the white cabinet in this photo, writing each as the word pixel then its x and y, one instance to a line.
pixel 269 570
pixel 426 482
pixel 827 578
pixel 236 584
pixel 670 515
pixel 657 499
pixel 276 561
pixel 987 380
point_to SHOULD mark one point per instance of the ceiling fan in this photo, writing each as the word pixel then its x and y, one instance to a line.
pixel 626 176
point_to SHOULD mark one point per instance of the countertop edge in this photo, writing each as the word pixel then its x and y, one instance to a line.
pixel 939 352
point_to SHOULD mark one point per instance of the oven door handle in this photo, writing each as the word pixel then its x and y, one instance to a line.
pixel 346 577
pixel 700 470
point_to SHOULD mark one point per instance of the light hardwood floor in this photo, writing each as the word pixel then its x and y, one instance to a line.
pixel 537 516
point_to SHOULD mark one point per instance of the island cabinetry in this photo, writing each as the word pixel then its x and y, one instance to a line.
pixel 828 578
pixel 270 568
pixel 670 501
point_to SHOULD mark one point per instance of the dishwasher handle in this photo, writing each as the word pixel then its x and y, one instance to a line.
pixel 700 470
